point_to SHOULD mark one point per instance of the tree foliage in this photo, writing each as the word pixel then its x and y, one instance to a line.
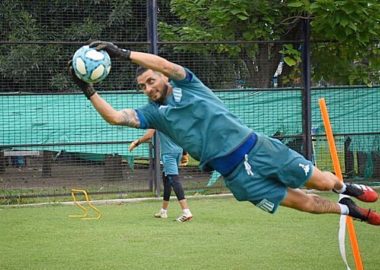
pixel 351 26
pixel 237 20
pixel 28 62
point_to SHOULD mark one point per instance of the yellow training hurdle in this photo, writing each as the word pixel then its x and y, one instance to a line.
pixel 85 215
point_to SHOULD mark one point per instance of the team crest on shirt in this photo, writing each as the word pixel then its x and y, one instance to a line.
pixel 305 167
pixel 177 94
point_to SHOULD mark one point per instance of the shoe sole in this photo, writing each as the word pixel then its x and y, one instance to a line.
pixel 159 216
pixel 186 219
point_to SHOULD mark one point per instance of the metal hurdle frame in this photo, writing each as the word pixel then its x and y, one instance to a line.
pixel 85 215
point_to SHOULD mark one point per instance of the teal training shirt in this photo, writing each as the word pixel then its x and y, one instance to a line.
pixel 195 119
pixel 167 146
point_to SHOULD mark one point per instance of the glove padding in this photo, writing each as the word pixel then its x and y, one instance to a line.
pixel 87 88
pixel 111 49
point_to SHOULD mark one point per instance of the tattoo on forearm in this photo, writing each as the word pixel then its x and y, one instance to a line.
pixel 130 118
pixel 177 72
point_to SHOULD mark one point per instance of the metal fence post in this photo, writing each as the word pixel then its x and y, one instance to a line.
pixel 306 96
pixel 153 39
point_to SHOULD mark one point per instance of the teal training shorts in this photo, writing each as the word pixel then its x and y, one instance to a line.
pixel 170 163
pixel 268 170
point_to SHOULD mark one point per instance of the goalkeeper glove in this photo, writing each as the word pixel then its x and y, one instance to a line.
pixel 111 49
pixel 86 88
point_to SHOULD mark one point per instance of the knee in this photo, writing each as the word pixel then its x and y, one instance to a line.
pixel 175 182
pixel 177 187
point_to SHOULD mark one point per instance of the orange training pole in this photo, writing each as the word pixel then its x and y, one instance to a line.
pixel 338 172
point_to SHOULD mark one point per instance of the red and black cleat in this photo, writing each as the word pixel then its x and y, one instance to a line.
pixel 361 192
pixel 362 214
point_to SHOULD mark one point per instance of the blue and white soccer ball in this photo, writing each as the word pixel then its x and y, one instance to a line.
pixel 90 65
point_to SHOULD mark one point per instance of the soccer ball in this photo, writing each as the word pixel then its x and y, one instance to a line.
pixel 90 65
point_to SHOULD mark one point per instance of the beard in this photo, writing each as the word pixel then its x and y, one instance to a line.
pixel 164 92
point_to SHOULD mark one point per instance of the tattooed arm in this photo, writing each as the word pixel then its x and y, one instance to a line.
pixel 157 63
pixel 126 117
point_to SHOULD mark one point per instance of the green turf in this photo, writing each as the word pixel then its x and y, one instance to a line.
pixel 224 234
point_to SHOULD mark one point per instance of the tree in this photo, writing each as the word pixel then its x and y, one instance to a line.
pixel 355 28
pixel 350 25
pixel 29 63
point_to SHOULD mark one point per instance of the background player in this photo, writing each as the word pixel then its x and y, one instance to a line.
pixel 171 155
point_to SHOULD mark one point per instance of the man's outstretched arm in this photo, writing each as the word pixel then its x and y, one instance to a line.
pixel 147 60
pixel 125 117
pixel 157 63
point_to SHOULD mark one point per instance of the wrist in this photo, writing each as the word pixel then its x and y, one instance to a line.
pixel 125 54
pixel 89 91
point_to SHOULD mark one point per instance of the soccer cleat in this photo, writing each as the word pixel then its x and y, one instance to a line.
pixel 362 214
pixel 184 218
pixel 361 192
pixel 161 214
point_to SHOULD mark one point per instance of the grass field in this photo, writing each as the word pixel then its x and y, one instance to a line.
pixel 224 234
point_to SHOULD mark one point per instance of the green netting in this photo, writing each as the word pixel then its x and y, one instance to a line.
pixel 267 112
pixel 65 119
pixel 351 111
pixel 70 118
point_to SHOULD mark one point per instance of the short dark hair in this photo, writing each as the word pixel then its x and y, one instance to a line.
pixel 140 70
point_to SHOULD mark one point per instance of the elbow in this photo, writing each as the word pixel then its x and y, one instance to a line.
pixel 167 68
pixel 114 121
pixel 115 118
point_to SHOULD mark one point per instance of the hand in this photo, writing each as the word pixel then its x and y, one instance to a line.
pixel 185 159
pixel 111 49
pixel 87 88
pixel 134 144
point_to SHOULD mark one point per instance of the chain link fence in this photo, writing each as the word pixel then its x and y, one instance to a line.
pixel 52 140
